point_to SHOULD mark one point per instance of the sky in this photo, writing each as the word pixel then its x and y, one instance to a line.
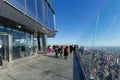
pixel 72 18
pixel 104 30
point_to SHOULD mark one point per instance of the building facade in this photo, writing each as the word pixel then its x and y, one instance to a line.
pixel 25 26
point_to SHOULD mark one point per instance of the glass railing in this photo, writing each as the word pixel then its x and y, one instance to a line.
pixel 99 46
pixel 78 67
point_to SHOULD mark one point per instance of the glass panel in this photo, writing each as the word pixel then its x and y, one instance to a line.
pixel 108 25
pixel 28 44
pixel 35 45
pixel 40 11
pixel 101 41
pixel 6 30
pixel 87 37
pixel 4 47
pixel 32 44
pixel 1 45
pixel 51 3
pixel 20 4
pixel 16 44
pixel 51 21
pixel 45 13
pixel 22 44
pixel 50 18
pixel 31 8
pixel 4 42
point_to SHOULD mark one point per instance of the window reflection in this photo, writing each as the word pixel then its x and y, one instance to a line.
pixel 35 45
pixel 40 11
pixel 51 3
pixel 28 44
pixel 31 8
pixel 45 13
pixel 37 10
pixel 51 19
pixel 16 44
pixel 20 4
pixel 22 44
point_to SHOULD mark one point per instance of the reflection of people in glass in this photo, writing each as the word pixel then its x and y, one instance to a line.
pixel 0 49
pixel 81 50
pixel 22 50
pixel 1 63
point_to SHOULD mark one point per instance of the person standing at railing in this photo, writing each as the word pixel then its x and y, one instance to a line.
pixel 66 52
pixel 62 51
pixel 56 51
pixel 71 48
pixel 81 50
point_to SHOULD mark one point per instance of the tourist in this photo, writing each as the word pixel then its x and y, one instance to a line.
pixel 66 52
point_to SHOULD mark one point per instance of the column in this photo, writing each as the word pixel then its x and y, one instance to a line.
pixel 38 39
pixel 44 44
pixel 10 48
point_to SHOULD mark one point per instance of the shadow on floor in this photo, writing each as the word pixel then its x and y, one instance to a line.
pixel 53 56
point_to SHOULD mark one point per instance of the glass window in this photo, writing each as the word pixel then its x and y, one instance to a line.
pixel 22 43
pixel 51 3
pixel 20 4
pixel 35 45
pixel 3 29
pixel 28 44
pixel 45 13
pixel 31 8
pixel 32 44
pixel 16 44
pixel 40 11
pixel 51 19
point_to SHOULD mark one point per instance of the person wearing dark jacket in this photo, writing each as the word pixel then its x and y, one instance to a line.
pixel 71 48
pixel 56 51
pixel 66 52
